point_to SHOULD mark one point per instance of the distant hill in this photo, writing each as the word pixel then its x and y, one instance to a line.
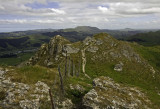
pixel 86 29
pixel 34 38
pixel 146 39
pixel 23 33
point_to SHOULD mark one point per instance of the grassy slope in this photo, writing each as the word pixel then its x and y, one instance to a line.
pixel 99 68
pixel 25 44
pixel 15 60
pixel 146 39
pixel 33 74
pixel 151 54
pixel 135 77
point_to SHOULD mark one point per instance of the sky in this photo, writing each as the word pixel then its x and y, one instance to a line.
pixel 17 15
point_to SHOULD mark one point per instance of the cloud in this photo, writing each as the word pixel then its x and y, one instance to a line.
pixel 25 21
pixel 13 21
pixel 129 9
pixel 57 11
pixel 71 13
pixel 19 7
pixel 103 9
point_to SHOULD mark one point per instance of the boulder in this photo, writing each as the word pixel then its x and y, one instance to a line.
pixel 92 49
pixel 118 67
pixel 69 49
pixel 108 94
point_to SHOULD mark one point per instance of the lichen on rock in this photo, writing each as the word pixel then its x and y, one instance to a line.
pixel 118 67
pixel 108 94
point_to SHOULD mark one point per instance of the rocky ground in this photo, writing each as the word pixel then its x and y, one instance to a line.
pixel 14 95
pixel 108 94
pixel 94 59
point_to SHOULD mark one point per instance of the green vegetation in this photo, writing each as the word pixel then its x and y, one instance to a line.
pixel 134 73
pixel 151 54
pixel 33 74
pixel 13 61
pixel 34 38
pixel 23 42
pixel 2 95
pixel 146 39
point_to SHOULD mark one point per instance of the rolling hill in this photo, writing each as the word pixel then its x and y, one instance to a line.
pixel 146 39
pixel 34 38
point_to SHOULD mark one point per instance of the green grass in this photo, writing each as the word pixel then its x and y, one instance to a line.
pixel 15 60
pixel 151 54
pixel 33 74
pixel 130 78
pixel 146 39
pixel 133 74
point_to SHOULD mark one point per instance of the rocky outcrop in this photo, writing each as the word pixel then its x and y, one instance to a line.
pixel 53 53
pixel 69 49
pixel 23 95
pixel 118 67
pixel 108 94
pixel 93 49
pixel 14 95
pixel 50 54
pixel 102 47
pixel 77 87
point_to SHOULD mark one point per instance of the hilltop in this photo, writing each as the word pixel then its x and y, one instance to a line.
pixel 99 71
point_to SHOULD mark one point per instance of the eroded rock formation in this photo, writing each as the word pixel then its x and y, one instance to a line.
pixel 108 94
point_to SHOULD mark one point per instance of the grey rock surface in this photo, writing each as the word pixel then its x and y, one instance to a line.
pixel 118 67
pixel 108 94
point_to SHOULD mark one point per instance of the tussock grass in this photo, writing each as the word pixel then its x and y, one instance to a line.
pixel 33 74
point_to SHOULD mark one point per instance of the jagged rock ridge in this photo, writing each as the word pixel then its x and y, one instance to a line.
pixel 101 47
pixel 98 53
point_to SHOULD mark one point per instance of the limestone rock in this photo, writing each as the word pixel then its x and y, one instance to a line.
pixel 22 95
pixel 67 104
pixel 92 49
pixel 2 72
pixel 69 49
pixel 77 87
pixel 88 40
pixel 99 42
pixel 49 64
pixel 29 104
pixel 118 67
pixel 108 94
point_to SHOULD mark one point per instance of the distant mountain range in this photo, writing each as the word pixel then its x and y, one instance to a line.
pixel 34 38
